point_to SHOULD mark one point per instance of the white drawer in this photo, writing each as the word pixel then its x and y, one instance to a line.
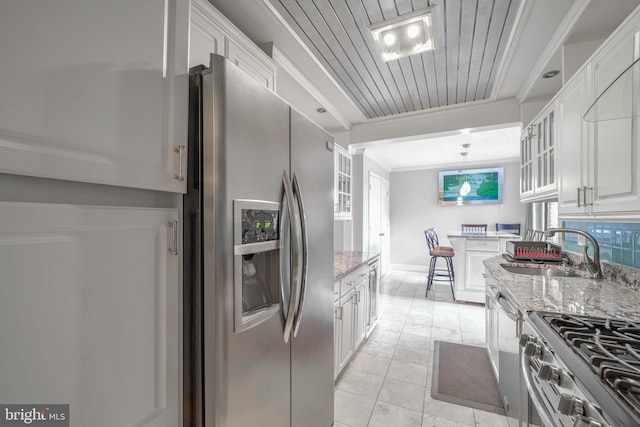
pixel 351 280
pixel 489 245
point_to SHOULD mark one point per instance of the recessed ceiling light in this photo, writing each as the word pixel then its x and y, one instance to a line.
pixel 405 35
pixel 550 74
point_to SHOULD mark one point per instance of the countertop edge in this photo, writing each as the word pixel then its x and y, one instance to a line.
pixel 346 262
pixel 571 295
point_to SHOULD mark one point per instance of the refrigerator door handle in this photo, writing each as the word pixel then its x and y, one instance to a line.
pixel 295 255
pixel 305 253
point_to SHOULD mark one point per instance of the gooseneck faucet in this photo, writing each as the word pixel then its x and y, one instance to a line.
pixel 592 266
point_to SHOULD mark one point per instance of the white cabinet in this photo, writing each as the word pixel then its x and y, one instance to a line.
pixel 211 32
pixel 360 317
pixel 344 317
pixel 615 160
pixel 600 159
pixel 350 316
pixel 491 331
pixel 537 157
pixel 95 91
pixel 90 312
pixel 573 144
pixel 342 193
pixel 470 252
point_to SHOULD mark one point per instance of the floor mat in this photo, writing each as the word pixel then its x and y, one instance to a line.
pixel 462 374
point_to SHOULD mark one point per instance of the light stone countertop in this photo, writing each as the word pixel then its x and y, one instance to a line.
pixel 572 295
pixel 344 262
pixel 488 234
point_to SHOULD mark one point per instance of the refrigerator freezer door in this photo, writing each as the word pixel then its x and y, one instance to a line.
pixel 244 152
pixel 312 385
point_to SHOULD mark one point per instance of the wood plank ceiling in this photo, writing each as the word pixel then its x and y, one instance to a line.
pixel 471 39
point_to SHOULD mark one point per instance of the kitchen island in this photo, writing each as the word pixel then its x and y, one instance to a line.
pixel 356 295
pixel 471 250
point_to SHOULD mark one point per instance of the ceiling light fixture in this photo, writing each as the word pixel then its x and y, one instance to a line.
pixel 550 74
pixel 465 188
pixel 405 35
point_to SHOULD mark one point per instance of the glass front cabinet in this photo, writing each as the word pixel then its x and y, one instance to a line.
pixel 537 157
pixel 342 206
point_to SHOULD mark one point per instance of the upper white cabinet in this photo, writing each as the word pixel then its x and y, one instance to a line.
pixel 342 185
pixel 573 134
pixel 90 312
pixel 95 91
pixel 600 159
pixel 614 169
pixel 537 157
pixel 211 33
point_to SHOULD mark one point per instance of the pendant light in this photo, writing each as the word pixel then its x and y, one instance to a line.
pixel 465 188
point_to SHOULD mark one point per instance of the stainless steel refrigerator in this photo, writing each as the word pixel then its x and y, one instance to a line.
pixel 258 266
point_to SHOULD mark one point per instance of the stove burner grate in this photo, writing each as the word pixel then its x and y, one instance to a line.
pixel 610 347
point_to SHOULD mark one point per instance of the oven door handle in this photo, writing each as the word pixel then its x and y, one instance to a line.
pixel 535 397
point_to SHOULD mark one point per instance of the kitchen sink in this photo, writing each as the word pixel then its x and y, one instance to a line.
pixel 540 271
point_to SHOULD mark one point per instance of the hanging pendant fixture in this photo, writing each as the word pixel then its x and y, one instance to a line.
pixel 465 188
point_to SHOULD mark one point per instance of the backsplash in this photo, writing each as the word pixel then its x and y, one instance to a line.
pixel 619 244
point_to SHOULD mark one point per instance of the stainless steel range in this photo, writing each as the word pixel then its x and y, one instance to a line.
pixel 581 370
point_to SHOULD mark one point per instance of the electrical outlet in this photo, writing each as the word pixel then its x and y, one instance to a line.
pixel 582 241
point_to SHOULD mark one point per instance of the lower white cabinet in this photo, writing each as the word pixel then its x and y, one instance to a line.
pixel 344 317
pixel 351 313
pixel 491 330
pixel 468 263
pixel 90 312
pixel 360 318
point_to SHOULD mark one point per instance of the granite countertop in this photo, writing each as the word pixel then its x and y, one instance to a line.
pixel 572 295
pixel 344 262
pixel 491 234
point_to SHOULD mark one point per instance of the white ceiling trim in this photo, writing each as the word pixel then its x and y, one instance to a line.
pixel 514 39
pixel 443 108
pixel 312 56
pixel 286 65
pixel 558 38
pixel 460 165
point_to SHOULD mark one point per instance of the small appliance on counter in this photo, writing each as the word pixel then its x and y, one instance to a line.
pixel 533 251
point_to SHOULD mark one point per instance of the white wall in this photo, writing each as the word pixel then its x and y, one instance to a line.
pixel 414 208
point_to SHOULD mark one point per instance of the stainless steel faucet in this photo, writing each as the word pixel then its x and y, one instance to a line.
pixel 592 266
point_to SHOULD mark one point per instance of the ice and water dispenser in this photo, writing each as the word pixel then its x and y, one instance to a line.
pixel 257 248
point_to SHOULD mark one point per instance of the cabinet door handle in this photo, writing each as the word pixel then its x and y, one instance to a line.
pixel 180 150
pixel 339 313
pixel 589 201
pixel 579 190
pixel 173 250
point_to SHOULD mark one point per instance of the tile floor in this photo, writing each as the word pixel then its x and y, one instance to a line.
pixel 388 382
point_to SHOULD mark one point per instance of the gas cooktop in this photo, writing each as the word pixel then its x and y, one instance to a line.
pixel 610 348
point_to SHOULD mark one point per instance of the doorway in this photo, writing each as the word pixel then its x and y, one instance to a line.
pixel 379 241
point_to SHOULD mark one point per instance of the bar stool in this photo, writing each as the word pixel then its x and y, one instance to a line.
pixel 436 251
